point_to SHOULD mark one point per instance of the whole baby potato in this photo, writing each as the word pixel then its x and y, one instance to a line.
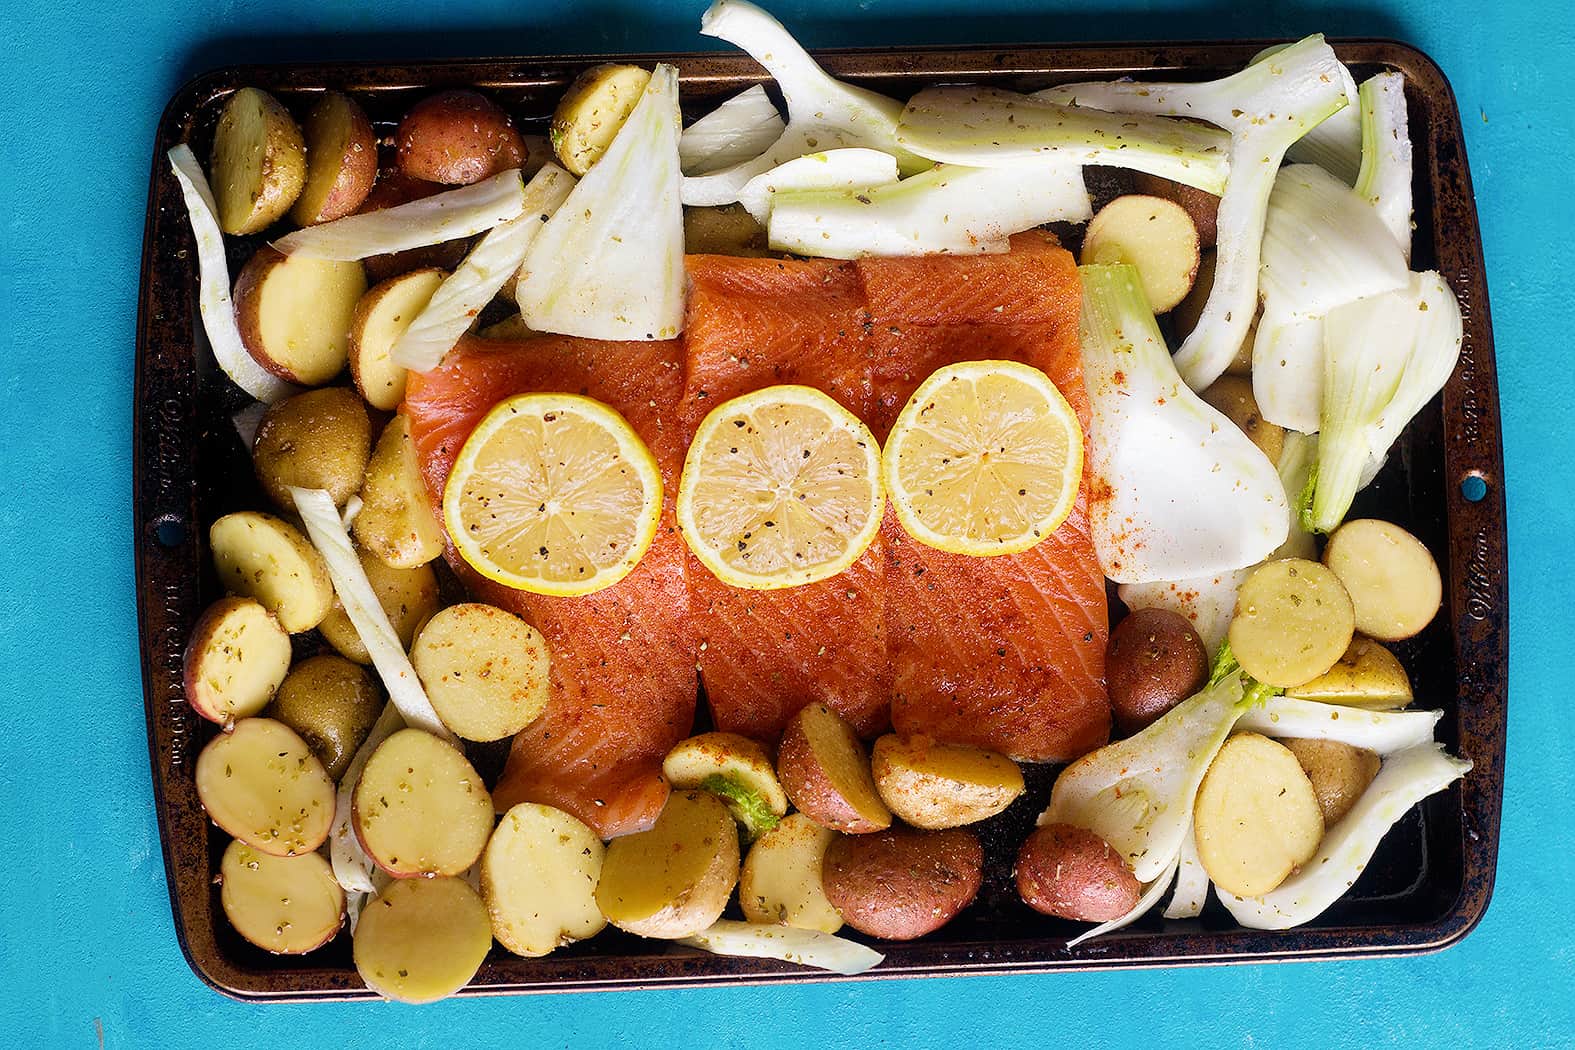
pixel 900 883
pixel 332 704
pixel 1072 873
pixel 317 440
pixel 457 138
pixel 1155 660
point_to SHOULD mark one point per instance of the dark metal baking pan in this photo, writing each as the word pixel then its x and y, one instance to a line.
pixel 1430 881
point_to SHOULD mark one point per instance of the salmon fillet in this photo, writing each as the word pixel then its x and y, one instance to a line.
pixel 763 655
pixel 1006 652
pixel 622 678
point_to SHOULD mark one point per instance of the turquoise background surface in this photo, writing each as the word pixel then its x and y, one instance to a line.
pixel 87 951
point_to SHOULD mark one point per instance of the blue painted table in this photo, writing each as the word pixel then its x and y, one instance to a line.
pixel 87 951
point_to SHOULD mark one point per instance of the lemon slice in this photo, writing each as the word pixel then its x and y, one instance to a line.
pixel 984 459
pixel 553 494
pixel 780 488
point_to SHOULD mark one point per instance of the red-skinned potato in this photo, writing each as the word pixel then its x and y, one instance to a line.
pixel 341 160
pixel 826 773
pixel 1072 873
pixel 237 656
pixel 284 905
pixel 900 883
pixel 294 313
pixel 394 188
pixel 1154 661
pixel 457 138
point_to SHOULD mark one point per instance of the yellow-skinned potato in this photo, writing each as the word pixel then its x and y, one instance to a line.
pixel 736 758
pixel 725 230
pixel 538 876
pixel 933 785
pixel 409 597
pixel 1368 675
pixel 781 879
pixel 826 773
pixel 1233 396
pixel 396 523
pixel 259 162
pixel 263 557
pixel 1184 318
pixel 294 313
pixel 1201 205
pixel 1257 818
pixel 484 669
pixel 591 112
pixel 332 704
pixel 1338 772
pixel 420 809
pixel 380 318
pixel 675 879
pixel 284 905
pixel 341 160
pixel 1293 622
pixel 261 783
pixel 1392 578
pixel 1153 234
pixel 422 939
pixel 511 329
pixel 237 656
pixel 319 439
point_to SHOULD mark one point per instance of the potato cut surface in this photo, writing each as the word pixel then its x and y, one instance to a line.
pixel 294 313
pixel 332 703
pixel 591 112
pixel 484 669
pixel 826 773
pixel 934 785
pixel 692 761
pixel 285 905
pixel 263 557
pixel 420 808
pixel 675 879
pixel 422 939
pixel 1257 817
pixel 1153 234
pixel 237 656
pixel 781 879
pixel 262 784
pixel 409 597
pixel 1367 675
pixel 320 439
pixel 259 162
pixel 341 160
pixel 538 877
pixel 1293 621
pixel 380 318
pixel 1392 578
pixel 396 522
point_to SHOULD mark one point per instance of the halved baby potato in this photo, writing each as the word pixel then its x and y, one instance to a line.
pixel 263 557
pixel 261 783
pixel 1201 205
pixel 591 112
pixel 733 758
pixel 1257 818
pixel 332 703
pixel 259 162
pixel 319 439
pixel 826 773
pixel 457 138
pixel 538 877
pixel 380 318
pixel 1367 675
pixel 408 596
pixel 1391 576
pixel 420 809
pixel 294 313
pixel 934 785
pixel 421 940
pixel 484 669
pixel 1293 621
pixel 1184 318
pixel 237 656
pixel 1338 772
pixel 396 522
pixel 341 160
pixel 1233 396
pixel 284 905
pixel 1153 234
pixel 675 879
pixel 781 879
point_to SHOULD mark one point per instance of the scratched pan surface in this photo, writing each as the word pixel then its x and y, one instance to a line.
pixel 1432 877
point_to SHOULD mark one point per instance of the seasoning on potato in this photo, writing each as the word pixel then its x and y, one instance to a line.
pixel 320 439
pixel 734 768
pixel 457 138
pixel 396 522
pixel 381 317
pixel 341 160
pixel 236 658
pixel 902 883
pixel 1233 396
pixel 1072 873
pixel 332 704
pixel 420 809
pixel 260 556
pixel 591 112
pixel 409 598
pixel 675 879
pixel 781 881
pixel 420 940
pixel 934 785
pixel 1392 578
pixel 826 773
pixel 284 905
pixel 1154 661
pixel 1153 234
pixel 1339 773
pixel 1367 675
pixel 259 162
pixel 294 313
pixel 1293 622
pixel 484 669
pixel 538 877
pixel 262 784
pixel 1257 818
